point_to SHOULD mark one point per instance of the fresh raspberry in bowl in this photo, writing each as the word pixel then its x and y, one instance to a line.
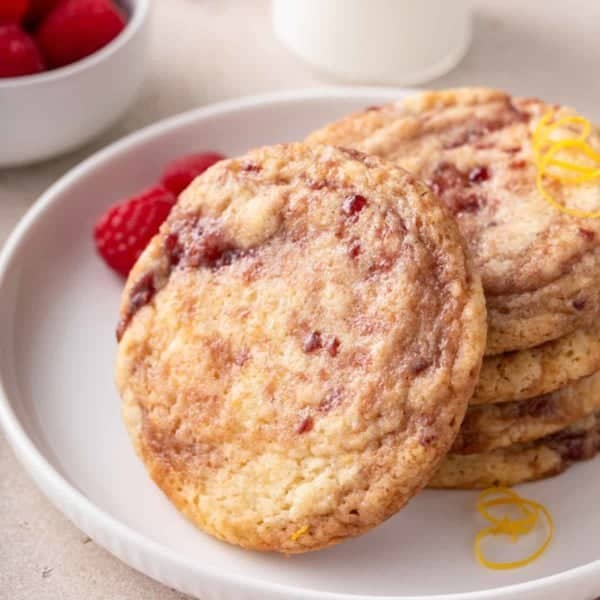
pixel 12 11
pixel 37 11
pixel 55 33
pixel 64 106
pixel 18 53
pixel 75 29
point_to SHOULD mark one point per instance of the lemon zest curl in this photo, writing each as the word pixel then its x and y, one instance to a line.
pixel 514 528
pixel 568 161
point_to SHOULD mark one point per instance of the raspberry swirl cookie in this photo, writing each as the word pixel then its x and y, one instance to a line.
pixel 516 464
pixel 535 371
pixel 298 346
pixel 493 426
pixel 540 268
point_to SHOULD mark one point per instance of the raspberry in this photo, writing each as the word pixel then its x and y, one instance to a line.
pixel 18 53
pixel 37 11
pixel 77 28
pixel 479 174
pixel 181 172
pixel 353 204
pixel 312 342
pixel 124 231
pixel 12 11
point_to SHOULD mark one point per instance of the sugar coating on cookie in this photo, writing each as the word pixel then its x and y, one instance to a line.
pixel 473 146
pixel 298 346
pixel 520 463
pixel 490 426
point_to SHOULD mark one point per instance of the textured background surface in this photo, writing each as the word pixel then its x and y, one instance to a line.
pixel 226 49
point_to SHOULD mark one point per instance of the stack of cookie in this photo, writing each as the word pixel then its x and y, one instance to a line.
pixel 301 345
pixel 535 408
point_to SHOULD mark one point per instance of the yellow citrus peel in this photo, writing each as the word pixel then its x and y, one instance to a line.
pixel 530 511
pixel 299 533
pixel 567 160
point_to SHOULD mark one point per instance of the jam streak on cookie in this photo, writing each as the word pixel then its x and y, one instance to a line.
pixel 539 407
pixel 474 130
pixel 314 341
pixel 458 190
pixel 192 242
pixel 251 167
pixel 306 424
pixel 587 235
pixel 471 437
pixel 200 243
pixel 354 249
pixel 332 400
pixel 333 346
pixel 575 445
pixel 479 174
pixel 427 434
pixel 141 293
pixel 353 204
pixel 419 364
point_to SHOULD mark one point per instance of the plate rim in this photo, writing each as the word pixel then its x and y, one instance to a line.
pixel 70 501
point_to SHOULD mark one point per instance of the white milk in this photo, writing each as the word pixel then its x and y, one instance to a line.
pixel 376 41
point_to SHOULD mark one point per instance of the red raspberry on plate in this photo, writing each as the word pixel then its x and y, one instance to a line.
pixel 125 229
pixel 38 9
pixel 77 28
pixel 181 172
pixel 12 11
pixel 18 53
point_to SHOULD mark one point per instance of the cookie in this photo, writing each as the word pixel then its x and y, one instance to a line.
pixel 298 346
pixel 536 371
pixel 520 463
pixel 491 426
pixel 540 268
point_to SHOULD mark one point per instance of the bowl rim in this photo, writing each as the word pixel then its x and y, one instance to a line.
pixel 138 15
pixel 80 509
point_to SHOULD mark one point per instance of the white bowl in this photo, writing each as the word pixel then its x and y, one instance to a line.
pixel 60 409
pixel 50 113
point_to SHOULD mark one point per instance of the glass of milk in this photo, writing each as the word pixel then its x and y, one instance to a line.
pixel 402 42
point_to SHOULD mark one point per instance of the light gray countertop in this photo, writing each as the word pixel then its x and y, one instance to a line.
pixel 225 49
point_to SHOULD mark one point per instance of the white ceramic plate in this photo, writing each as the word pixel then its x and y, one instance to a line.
pixel 60 409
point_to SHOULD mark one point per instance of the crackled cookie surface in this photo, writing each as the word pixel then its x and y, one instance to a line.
pixel 540 268
pixel 298 346
pixel 522 462
pixel 493 426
